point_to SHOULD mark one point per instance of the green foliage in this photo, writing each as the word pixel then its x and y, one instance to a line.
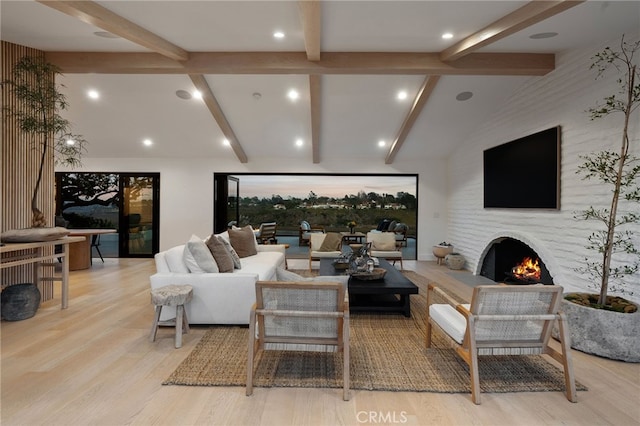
pixel 255 211
pixel 618 170
pixel 38 114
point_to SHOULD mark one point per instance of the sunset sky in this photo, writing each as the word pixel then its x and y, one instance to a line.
pixel 262 186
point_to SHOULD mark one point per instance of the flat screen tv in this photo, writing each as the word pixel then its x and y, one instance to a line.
pixel 524 173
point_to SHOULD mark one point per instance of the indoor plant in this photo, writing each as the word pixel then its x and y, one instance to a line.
pixel 612 334
pixel 37 114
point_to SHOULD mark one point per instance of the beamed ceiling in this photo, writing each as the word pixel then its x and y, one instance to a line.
pixel 347 60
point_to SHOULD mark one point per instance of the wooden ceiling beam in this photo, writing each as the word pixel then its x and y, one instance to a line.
pixel 311 16
pixel 216 111
pixel 419 102
pixel 94 14
pixel 315 88
pixel 378 63
pixel 529 14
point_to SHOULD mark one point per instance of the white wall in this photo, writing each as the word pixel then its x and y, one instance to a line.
pixel 559 98
pixel 186 190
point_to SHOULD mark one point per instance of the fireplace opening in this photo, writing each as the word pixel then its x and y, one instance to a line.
pixel 513 262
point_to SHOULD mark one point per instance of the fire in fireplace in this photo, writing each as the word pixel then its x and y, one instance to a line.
pixel 528 271
pixel 506 261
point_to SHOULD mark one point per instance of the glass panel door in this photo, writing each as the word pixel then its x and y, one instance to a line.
pixel 139 215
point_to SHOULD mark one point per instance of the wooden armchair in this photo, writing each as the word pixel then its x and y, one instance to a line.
pixel 299 316
pixel 324 246
pixel 503 320
pixel 383 244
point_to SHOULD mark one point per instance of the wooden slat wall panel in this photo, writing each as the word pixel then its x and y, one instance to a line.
pixel 20 162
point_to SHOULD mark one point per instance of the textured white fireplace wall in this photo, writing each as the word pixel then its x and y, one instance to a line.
pixel 559 98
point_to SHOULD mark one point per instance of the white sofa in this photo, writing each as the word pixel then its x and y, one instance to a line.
pixel 218 298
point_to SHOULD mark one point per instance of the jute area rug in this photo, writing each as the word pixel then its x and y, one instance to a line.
pixel 387 353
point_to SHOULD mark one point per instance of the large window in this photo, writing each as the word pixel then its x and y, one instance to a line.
pixel 127 202
pixel 330 201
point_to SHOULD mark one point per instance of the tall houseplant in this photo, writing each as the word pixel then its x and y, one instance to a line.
pixel 37 113
pixel 619 170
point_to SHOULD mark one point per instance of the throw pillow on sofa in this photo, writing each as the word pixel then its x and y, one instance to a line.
pixel 198 257
pixel 243 240
pixel 220 254
pixel 236 259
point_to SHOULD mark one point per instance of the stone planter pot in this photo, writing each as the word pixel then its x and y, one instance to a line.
pixel 440 252
pixel 454 261
pixel 603 333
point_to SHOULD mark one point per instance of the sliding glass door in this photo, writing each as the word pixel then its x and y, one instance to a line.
pixel 127 202
pixel 226 199
pixel 139 215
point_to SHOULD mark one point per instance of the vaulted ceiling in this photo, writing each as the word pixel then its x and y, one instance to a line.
pixel 347 60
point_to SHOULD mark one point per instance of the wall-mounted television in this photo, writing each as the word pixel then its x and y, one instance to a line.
pixel 524 173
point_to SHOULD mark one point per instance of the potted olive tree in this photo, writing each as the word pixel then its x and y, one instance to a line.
pixel 604 324
pixel 37 114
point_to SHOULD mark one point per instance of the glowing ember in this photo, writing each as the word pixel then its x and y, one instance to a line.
pixel 527 270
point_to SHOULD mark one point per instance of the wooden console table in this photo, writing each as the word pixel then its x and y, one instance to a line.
pixel 34 253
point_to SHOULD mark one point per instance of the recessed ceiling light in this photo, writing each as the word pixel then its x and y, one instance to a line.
pixel 70 142
pixel 464 96
pixel 381 143
pixel 402 95
pixel 447 36
pixel 540 36
pixel 293 94
pixel 183 94
pixel 197 94
pixel 93 94
pixel 278 35
pixel 105 34
pixel 147 142
pixel 226 142
pixel 257 95
pixel 299 142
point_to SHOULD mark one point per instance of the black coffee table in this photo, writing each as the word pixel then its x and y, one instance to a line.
pixel 389 294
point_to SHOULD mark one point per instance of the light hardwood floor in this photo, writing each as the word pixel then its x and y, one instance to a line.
pixel 93 364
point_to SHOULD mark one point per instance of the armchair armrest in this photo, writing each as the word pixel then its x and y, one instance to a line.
pixel 272 247
pixel 438 291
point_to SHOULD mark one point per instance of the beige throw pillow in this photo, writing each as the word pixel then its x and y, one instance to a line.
pixel 332 242
pixel 383 245
pixel 243 241
pixel 220 254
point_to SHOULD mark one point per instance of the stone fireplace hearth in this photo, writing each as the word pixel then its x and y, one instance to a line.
pixel 504 253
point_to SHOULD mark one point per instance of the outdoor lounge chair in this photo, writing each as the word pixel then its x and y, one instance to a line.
pixel 503 320
pixel 267 233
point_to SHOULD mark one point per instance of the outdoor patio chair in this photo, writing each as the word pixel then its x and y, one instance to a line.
pixel 383 244
pixel 95 243
pixel 267 233
pixel 299 316
pixel 503 320
pixel 305 232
